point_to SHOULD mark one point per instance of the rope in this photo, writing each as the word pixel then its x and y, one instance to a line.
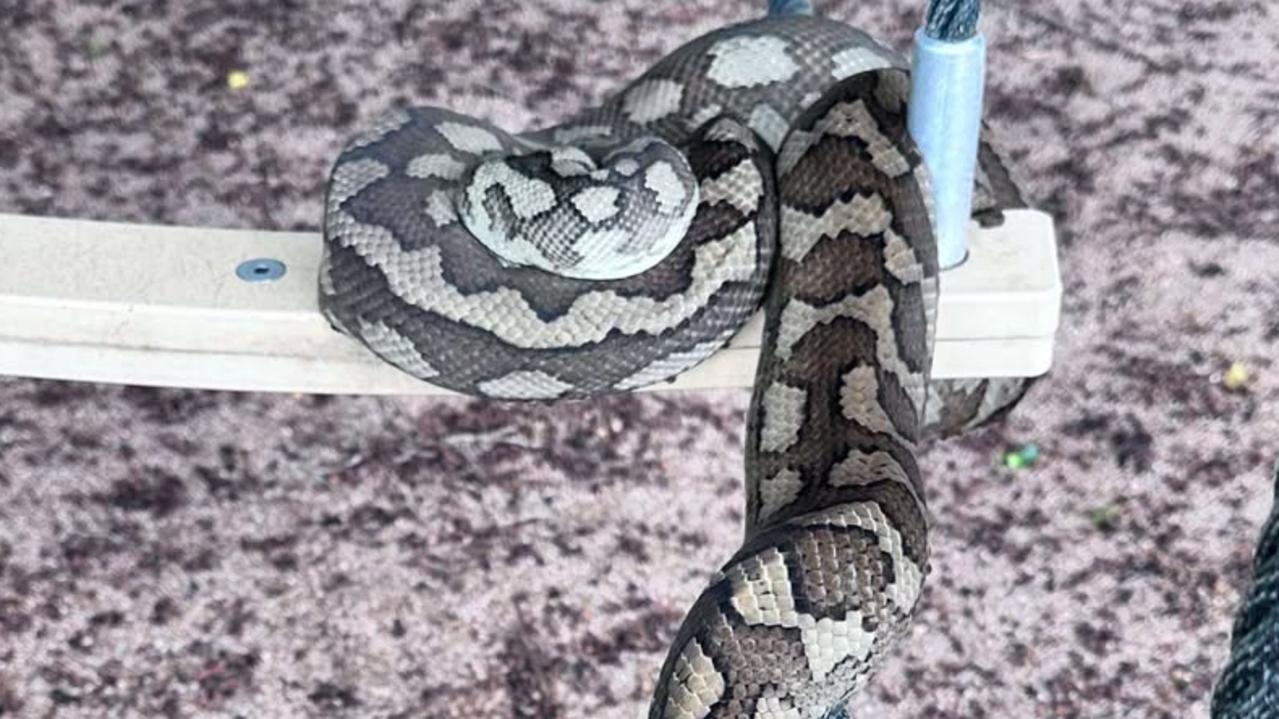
pixel 952 20
pixel 1249 687
pixel 945 20
pixel 790 7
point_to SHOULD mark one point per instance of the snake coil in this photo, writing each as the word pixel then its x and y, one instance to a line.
pixel 768 164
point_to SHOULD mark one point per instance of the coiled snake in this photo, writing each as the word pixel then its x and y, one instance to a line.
pixel 620 248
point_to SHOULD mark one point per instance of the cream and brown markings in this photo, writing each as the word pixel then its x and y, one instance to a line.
pixel 835 551
pixel 559 210
pixel 628 245
pixel 452 237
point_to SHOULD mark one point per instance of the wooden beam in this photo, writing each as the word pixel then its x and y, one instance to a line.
pixel 163 306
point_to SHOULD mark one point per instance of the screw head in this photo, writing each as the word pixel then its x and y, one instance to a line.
pixel 262 269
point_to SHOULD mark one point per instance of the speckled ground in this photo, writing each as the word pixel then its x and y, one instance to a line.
pixel 199 554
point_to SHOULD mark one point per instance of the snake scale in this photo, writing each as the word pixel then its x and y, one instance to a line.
pixel 763 163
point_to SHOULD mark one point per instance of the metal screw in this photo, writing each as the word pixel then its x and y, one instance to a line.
pixel 262 269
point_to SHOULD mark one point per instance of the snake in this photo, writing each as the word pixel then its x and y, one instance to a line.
pixel 1248 686
pixel 764 164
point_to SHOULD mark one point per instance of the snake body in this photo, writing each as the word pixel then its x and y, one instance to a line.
pixel 1248 687
pixel 764 162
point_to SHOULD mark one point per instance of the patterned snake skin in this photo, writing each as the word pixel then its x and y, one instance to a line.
pixel 1248 687
pixel 630 243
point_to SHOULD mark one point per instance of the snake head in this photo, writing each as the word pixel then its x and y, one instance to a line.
pixel 604 214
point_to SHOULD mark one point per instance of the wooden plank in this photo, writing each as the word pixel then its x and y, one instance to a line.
pixel 158 305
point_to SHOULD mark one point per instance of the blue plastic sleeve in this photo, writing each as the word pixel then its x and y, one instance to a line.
pixel 947 87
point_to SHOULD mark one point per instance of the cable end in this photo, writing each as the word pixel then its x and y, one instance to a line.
pixel 789 7
pixel 952 20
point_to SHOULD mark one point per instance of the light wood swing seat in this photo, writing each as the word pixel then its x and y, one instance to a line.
pixel 163 306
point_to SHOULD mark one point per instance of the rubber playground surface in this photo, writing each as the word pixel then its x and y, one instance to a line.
pixel 202 554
